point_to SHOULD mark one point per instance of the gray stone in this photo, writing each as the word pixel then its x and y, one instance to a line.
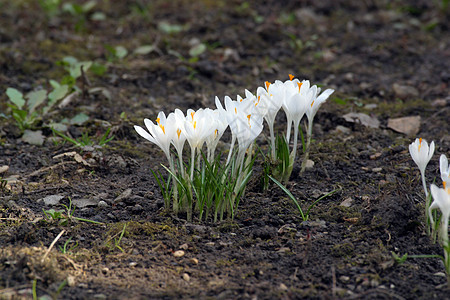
pixel 405 91
pixel 52 199
pixel 102 204
pixel 81 203
pixel 125 194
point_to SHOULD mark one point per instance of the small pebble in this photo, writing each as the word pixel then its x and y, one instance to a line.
pixel 178 253
pixel 102 204
pixel 132 264
pixel 186 277
pixel 3 169
pixel 184 246
pixel 283 287
pixel 70 280
pixel 194 261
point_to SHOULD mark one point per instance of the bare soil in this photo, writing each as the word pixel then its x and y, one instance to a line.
pixel 386 59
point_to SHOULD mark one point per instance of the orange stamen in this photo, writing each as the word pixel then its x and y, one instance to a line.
pixel 162 127
pixel 215 132
pixel 195 124
pixel 420 144
pixel 178 132
pixel 312 103
pixel 248 117
pixel 299 85
pixel 157 120
pixel 291 76
pixel 267 85
pixel 192 114
pixel 235 110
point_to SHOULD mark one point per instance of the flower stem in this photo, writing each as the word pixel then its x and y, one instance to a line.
pixel 272 141
pixel 233 141
pixel 308 146
pixel 192 162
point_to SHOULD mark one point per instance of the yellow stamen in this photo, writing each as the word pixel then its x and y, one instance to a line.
pixel 299 85
pixel 157 120
pixel 312 103
pixel 162 127
pixel 195 124
pixel 420 144
pixel 192 114
pixel 291 76
pixel 267 85
pixel 178 132
pixel 215 132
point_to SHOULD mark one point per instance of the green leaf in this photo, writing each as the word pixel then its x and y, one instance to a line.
pixel 98 69
pixel 70 60
pixel 121 51
pixel 35 99
pixel 55 84
pixel 75 70
pixel 98 16
pixel 169 28
pixel 197 50
pixel 143 50
pixel 89 5
pixel 15 97
pixel 79 119
pixel 57 94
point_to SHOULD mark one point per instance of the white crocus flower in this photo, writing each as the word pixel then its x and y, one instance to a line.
pixel 421 154
pixel 295 105
pixel 313 106
pixel 159 134
pixel 179 137
pixel 233 109
pixel 270 100
pixel 445 170
pixel 247 128
pixel 197 129
pixel 441 200
pixel 220 124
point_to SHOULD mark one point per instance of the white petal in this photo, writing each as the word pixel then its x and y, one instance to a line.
pixel 142 132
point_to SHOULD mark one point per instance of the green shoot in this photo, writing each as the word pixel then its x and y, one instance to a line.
pixel 117 241
pixel 33 288
pixel 62 218
pixel 66 250
pixel 85 139
pixel 305 216
pixel 164 187
pixel 401 259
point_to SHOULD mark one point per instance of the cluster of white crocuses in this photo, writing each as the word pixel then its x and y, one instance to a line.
pixel 244 117
pixel 422 153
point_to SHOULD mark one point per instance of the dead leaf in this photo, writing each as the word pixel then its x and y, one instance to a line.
pixel 363 119
pixel 407 125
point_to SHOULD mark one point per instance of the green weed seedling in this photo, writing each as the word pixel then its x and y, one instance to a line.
pixel 85 139
pixel 117 240
pixel 81 12
pixel 64 217
pixel 27 110
pixel 54 295
pixel 116 53
pixel 305 216
pixel 65 249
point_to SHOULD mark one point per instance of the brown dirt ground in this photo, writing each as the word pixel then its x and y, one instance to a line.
pixel 359 48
